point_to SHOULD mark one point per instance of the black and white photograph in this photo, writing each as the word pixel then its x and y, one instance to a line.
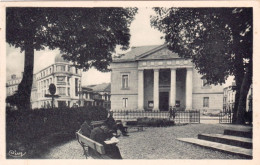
pixel 129 82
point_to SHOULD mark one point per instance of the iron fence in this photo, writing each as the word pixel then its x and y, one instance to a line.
pixel 225 117
pixel 192 116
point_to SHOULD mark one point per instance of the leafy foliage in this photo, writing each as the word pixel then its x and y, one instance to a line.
pixel 86 36
pixel 217 40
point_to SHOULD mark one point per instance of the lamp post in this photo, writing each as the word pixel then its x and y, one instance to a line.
pixel 52 90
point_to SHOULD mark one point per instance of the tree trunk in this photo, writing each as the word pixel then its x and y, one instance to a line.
pixel 235 108
pixel 25 87
pixel 239 76
pixel 247 81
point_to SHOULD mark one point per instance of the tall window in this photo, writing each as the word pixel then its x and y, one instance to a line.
pixel 76 70
pixel 76 87
pixel 125 100
pixel 125 81
pixel 61 90
pixel 205 101
pixel 68 80
pixel 60 68
pixel 61 79
pixel 68 91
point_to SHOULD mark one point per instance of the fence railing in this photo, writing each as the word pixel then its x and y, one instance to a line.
pixel 192 116
pixel 225 117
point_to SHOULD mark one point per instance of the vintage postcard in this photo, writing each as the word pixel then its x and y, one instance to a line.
pixel 154 81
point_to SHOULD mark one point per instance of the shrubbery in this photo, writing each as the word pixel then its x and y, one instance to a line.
pixel 30 125
pixel 153 122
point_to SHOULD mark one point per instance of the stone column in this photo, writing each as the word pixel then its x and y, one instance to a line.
pixel 189 89
pixel 156 90
pixel 140 89
pixel 173 87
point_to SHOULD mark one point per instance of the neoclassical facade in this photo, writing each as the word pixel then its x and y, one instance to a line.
pixel 154 78
pixel 67 80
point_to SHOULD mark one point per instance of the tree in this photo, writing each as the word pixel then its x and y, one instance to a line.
pixel 219 42
pixel 85 36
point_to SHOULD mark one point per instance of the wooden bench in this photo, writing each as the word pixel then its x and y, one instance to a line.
pixel 86 142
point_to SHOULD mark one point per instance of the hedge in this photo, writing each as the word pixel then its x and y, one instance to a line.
pixel 154 122
pixel 26 125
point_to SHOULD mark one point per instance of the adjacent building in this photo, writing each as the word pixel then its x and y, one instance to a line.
pixel 153 78
pixel 229 98
pixel 65 77
pixel 96 95
pixel 12 84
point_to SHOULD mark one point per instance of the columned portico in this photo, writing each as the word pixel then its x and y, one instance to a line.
pixel 156 90
pixel 173 87
pixel 175 92
pixel 157 78
pixel 140 89
pixel 189 89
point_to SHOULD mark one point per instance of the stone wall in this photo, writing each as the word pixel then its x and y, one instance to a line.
pixel 215 101
pixel 214 92
pixel 117 92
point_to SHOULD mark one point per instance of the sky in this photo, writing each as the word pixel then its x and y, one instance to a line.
pixel 141 34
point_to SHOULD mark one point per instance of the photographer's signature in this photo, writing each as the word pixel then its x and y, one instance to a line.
pixel 16 154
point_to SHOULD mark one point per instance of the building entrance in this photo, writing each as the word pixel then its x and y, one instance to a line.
pixel 164 101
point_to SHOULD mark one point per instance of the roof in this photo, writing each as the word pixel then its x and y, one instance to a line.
pixel 59 58
pixel 104 87
pixel 135 52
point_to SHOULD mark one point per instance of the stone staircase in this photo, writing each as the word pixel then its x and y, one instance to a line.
pixel 237 142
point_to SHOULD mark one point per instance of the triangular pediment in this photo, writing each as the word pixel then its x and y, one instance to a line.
pixel 161 53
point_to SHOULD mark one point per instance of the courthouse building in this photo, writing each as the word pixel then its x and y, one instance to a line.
pixel 154 78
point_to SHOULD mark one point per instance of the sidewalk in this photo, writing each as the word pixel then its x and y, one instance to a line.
pixel 156 143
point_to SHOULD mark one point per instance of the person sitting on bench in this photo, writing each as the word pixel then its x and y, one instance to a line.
pixel 100 135
pixel 116 125
pixel 86 129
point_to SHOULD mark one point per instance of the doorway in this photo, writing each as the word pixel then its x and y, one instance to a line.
pixel 164 101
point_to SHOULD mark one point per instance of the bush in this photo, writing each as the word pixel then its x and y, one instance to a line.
pixel 31 125
pixel 153 122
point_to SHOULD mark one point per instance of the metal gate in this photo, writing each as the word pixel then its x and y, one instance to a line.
pixel 225 117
